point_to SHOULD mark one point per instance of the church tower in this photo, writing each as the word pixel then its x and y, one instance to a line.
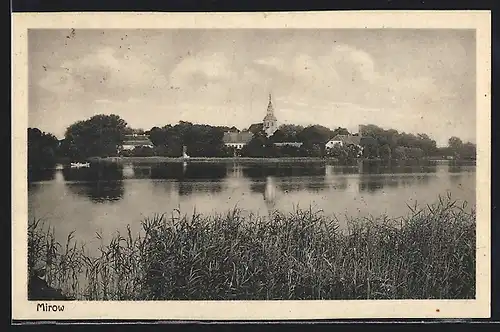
pixel 270 123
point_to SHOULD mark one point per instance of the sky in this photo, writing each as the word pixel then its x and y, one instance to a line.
pixel 415 81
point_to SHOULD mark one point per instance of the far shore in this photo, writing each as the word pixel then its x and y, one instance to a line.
pixel 160 159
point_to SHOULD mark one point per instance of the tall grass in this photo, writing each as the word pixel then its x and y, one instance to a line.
pixel 300 255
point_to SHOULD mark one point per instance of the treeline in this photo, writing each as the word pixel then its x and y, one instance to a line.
pixel 99 136
pixel 200 140
pixel 43 149
pixel 103 135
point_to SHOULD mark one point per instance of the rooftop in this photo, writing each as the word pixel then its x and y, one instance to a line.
pixel 347 139
pixel 137 141
pixel 234 137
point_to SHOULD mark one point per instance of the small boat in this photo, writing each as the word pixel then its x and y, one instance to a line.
pixel 79 165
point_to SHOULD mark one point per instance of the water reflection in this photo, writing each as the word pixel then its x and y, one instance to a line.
pixel 192 171
pixel 272 184
pixel 338 183
pixel 309 183
pixel 283 170
pixel 460 167
pixel 135 190
pixel 204 178
pixel 105 182
pixel 456 178
pixel 331 170
pixel 270 192
pixel 371 184
pixel 131 171
pixel 187 188
pixel 401 167
pixel 167 171
pixel 272 178
pixel 234 170
pixel 100 183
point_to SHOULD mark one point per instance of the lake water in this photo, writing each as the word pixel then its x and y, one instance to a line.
pixel 107 198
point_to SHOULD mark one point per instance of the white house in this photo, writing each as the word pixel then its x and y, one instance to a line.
pixel 136 140
pixel 343 140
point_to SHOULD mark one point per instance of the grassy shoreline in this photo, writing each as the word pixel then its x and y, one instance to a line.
pixel 285 256
pixel 159 159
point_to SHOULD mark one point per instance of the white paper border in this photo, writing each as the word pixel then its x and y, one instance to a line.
pixel 22 309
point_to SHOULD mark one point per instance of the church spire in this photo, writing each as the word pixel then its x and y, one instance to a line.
pixel 270 123
pixel 270 108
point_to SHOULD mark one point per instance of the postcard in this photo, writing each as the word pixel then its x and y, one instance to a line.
pixel 251 166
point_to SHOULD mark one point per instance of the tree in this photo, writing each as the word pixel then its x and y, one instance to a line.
pixel 345 153
pixel 340 131
pixel 142 152
pixel 232 129
pixel 314 139
pixel 287 133
pixel 259 146
pixel 455 146
pixel 415 153
pixel 42 149
pixel 469 151
pixel 315 150
pixel 455 143
pixel 99 136
pixel 156 136
pixel 391 139
pixel 316 134
pixel 400 153
pixel 200 140
pixel 338 151
pixel 370 147
pixel 404 153
pixel 385 152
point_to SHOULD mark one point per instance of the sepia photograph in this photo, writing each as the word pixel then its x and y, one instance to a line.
pixel 254 163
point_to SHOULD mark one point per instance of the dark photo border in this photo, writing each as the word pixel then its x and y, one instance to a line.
pixel 18 6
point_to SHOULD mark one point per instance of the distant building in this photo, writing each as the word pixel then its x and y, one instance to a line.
pixel 294 144
pixel 270 123
pixel 237 140
pixel 133 141
pixel 344 140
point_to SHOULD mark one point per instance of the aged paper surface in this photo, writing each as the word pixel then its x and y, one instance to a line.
pixel 252 310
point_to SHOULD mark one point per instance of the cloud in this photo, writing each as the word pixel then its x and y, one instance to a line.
pixel 60 81
pixel 357 60
pixel 325 78
pixel 102 101
pixel 342 73
pixel 101 72
pixel 272 62
pixel 346 74
pixel 200 68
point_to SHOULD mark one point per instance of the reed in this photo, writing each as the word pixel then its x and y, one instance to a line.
pixel 430 254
